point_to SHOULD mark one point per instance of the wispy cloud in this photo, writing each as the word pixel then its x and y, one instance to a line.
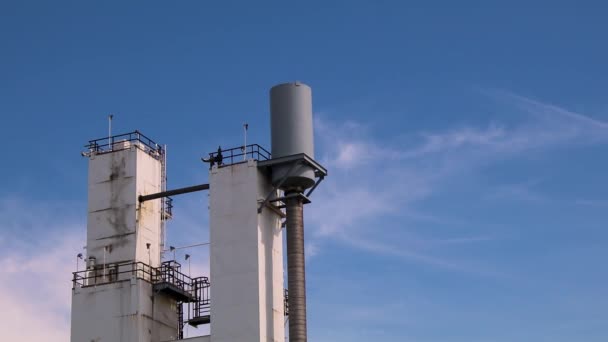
pixel 465 137
pixel 371 177
pixel 520 191
pixel 548 110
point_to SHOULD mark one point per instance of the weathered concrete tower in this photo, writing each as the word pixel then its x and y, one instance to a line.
pixel 113 299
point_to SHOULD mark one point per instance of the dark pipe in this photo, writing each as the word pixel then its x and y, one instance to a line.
pixel 296 269
pixel 174 192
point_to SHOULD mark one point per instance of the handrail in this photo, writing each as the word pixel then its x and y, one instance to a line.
pixel 112 144
pixel 238 154
pixel 201 290
pixel 169 272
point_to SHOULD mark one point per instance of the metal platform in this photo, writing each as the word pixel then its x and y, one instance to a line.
pixel 303 158
pixel 297 159
pixel 196 321
pixel 174 291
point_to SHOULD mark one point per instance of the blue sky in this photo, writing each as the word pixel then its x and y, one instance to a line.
pixel 467 198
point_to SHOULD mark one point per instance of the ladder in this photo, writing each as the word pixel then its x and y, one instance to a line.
pixel 165 203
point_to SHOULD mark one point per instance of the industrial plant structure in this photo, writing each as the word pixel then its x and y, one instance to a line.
pixel 132 290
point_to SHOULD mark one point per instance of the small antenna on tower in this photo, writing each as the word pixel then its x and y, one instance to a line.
pixel 172 249
pixel 245 128
pixel 110 131
pixel 78 257
pixel 187 257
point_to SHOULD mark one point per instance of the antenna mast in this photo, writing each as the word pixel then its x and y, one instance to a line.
pixel 245 128
pixel 110 131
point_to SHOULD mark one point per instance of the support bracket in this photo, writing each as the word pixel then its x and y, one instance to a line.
pixel 278 186
pixel 296 160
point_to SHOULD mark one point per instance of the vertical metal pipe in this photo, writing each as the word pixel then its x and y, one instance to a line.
pixel 296 270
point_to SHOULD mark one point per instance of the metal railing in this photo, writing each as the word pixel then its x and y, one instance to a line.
pixel 112 273
pixel 168 272
pixel 125 141
pixel 201 291
pixel 238 154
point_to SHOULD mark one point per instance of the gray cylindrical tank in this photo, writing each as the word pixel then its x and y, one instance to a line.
pixel 292 131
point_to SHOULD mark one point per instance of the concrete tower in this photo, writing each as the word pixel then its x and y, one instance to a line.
pixel 114 300
pixel 246 257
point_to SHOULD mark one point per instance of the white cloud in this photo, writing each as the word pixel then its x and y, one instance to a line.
pixel 36 262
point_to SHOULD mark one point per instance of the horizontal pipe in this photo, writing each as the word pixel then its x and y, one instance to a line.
pixel 143 198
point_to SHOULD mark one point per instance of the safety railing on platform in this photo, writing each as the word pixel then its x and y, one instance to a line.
pixel 125 141
pixel 225 157
pixel 111 273
pixel 168 272
pixel 201 288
